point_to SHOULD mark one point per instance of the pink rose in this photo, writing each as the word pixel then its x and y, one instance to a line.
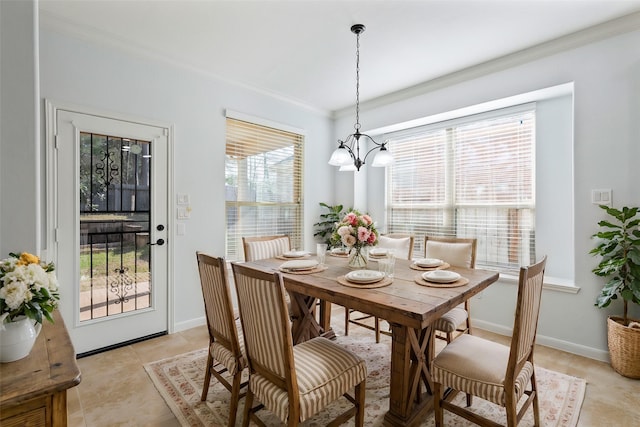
pixel 367 219
pixel 372 238
pixel 363 234
pixel 351 218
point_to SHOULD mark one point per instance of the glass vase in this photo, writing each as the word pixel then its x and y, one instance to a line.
pixel 358 258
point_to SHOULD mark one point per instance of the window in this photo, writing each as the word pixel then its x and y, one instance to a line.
pixel 263 184
pixel 469 177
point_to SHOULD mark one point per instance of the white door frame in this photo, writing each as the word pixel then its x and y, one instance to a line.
pixel 49 247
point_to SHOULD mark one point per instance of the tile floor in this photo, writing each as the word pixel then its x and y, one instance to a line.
pixel 116 391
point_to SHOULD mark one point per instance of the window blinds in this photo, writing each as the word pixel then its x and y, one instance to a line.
pixel 472 177
pixel 263 184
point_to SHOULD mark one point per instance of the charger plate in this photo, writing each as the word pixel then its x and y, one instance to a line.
pixel 317 269
pixel 290 258
pixel 414 266
pixel 338 254
pixel 420 281
pixel 382 283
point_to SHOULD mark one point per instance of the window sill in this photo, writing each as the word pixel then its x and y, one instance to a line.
pixel 550 283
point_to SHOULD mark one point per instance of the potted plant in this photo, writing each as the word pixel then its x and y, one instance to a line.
pixel 619 247
pixel 326 226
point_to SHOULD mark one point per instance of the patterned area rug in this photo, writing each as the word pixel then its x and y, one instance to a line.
pixel 179 380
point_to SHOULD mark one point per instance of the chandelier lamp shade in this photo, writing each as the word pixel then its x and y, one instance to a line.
pixel 347 155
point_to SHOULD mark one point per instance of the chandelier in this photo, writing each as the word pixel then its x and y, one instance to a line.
pixel 347 155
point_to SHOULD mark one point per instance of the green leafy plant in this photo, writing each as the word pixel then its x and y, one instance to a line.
pixel 327 224
pixel 619 247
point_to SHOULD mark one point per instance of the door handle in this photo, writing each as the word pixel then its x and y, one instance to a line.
pixel 158 242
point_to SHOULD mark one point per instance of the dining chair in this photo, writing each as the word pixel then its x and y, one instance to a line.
pixel 457 252
pixel 492 371
pixel 226 343
pixel 263 247
pixel 292 382
pixel 402 245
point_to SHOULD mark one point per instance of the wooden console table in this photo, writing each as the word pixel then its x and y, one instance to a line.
pixel 33 390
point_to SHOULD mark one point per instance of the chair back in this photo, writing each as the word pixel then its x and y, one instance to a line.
pixel 527 313
pixel 265 322
pixel 218 305
pixel 402 244
pixel 264 247
pixel 457 251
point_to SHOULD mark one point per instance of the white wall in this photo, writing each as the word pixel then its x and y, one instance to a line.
pixel 19 121
pixel 606 75
pixel 89 74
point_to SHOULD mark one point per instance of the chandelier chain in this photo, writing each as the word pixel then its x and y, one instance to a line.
pixel 357 125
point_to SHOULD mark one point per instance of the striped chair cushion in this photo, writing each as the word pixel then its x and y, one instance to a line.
pixel 324 371
pixel 267 248
pixel 226 357
pixel 450 320
pixel 474 365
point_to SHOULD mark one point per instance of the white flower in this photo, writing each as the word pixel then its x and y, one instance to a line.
pixel 53 281
pixel 15 293
pixel 345 230
pixel 26 288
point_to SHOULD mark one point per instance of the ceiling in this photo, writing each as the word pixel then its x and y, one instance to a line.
pixel 303 50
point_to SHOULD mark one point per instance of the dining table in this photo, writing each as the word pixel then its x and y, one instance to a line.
pixel 408 303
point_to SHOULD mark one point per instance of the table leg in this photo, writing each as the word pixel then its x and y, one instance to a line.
pixel 411 353
pixel 325 320
pixel 305 326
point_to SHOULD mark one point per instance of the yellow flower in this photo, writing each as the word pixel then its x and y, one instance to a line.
pixel 27 258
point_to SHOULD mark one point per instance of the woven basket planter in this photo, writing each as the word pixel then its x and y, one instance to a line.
pixel 624 347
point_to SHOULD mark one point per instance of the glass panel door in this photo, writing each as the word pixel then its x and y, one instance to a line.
pixel 114 225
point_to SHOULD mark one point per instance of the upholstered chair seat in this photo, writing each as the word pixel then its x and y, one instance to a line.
pixel 226 342
pixel 457 252
pixel 495 372
pixel 449 322
pixel 293 382
pixel 323 370
pixel 226 357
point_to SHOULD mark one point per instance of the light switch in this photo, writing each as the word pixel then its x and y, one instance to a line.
pixel 601 197
pixel 184 212
pixel 182 199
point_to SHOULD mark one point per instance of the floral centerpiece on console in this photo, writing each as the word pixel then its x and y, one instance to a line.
pixel 356 231
pixel 28 288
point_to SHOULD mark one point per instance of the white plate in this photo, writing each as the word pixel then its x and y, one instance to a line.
pixel 378 252
pixel 429 262
pixel 364 276
pixel 295 254
pixel 441 276
pixel 339 251
pixel 297 265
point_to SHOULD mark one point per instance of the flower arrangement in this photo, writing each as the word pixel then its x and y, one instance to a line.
pixel 356 231
pixel 28 287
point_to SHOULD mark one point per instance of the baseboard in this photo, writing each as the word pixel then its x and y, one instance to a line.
pixel 191 323
pixel 569 347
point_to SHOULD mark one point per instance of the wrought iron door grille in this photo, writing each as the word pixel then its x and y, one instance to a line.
pixel 115 200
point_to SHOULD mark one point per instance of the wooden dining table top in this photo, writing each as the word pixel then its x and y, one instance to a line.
pixel 403 301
